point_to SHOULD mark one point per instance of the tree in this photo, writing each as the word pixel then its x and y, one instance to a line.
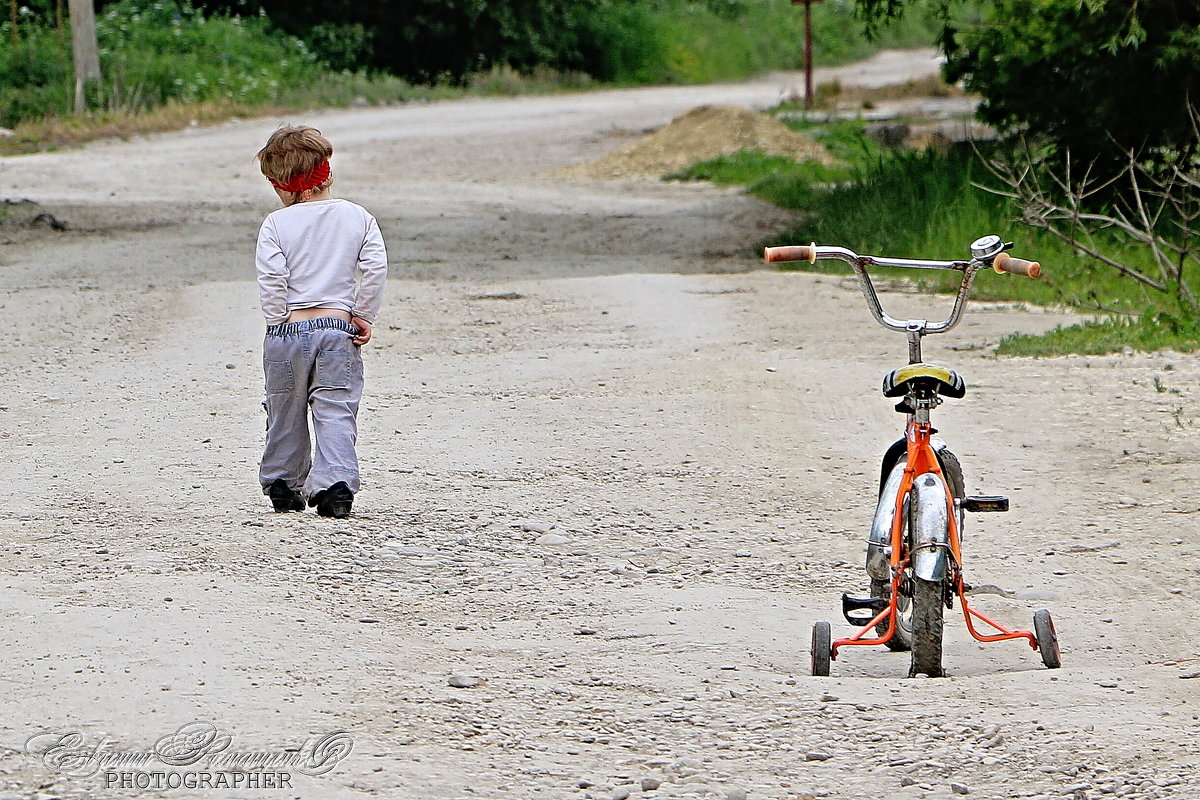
pixel 433 39
pixel 1097 77
pixel 87 54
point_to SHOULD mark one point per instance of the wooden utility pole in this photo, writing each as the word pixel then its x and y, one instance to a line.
pixel 808 80
pixel 87 52
pixel 12 15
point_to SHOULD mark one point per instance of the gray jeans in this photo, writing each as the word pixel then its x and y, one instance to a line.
pixel 312 367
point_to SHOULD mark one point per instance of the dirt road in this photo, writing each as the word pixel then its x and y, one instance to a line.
pixel 614 471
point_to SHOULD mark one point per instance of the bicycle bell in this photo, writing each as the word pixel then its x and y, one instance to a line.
pixel 988 247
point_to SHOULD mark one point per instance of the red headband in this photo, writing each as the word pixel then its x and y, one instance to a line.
pixel 305 180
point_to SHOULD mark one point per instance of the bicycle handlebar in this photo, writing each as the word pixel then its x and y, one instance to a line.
pixel 987 252
pixel 799 252
pixel 1017 266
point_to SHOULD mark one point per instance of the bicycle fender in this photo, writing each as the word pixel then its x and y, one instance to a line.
pixel 931 528
pixel 878 546
pixel 894 461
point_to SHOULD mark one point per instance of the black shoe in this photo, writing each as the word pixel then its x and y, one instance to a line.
pixel 284 498
pixel 334 501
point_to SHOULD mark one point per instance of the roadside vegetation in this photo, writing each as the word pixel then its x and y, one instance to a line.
pixel 1108 199
pixel 167 64
pixel 933 203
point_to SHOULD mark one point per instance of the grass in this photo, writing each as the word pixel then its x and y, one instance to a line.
pixel 768 176
pixel 1154 330
pixel 926 204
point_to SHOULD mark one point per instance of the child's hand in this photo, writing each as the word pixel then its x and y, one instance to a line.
pixel 364 331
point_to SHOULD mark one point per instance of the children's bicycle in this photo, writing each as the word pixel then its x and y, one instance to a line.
pixel 914 555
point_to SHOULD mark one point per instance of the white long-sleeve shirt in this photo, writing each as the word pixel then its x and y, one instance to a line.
pixel 327 253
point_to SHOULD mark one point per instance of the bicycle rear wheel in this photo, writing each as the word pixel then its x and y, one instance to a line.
pixel 928 603
pixel 927 507
pixel 952 470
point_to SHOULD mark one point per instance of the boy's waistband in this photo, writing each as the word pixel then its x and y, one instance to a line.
pixel 306 325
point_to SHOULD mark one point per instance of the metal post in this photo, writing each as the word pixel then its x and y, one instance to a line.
pixel 808 48
pixel 915 330
pixel 808 87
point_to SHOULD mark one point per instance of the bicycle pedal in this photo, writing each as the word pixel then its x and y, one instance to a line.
pixel 980 504
pixel 861 610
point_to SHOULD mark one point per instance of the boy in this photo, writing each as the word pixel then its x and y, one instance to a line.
pixel 321 272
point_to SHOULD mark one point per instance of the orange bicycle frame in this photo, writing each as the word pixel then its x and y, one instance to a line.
pixel 922 459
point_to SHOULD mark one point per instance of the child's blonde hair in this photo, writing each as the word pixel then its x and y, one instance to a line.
pixel 294 150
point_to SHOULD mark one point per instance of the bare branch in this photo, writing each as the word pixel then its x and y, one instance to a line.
pixel 1147 228
pixel 1096 254
pixel 995 191
pixel 1159 209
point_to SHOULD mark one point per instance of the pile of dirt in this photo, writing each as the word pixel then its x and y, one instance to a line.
pixel 703 133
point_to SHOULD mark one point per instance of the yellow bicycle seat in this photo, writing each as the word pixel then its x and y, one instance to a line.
pixel 947 382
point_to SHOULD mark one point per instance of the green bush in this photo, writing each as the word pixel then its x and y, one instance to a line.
pixel 153 53
pixel 36 76
pixel 626 41
pixel 341 46
pixel 1096 78
pixel 623 44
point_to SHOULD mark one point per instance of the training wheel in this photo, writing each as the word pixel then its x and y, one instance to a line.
pixel 822 644
pixel 1047 639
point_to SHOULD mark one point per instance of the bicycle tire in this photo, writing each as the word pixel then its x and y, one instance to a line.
pixel 901 640
pixel 822 647
pixel 929 597
pixel 952 470
pixel 1047 639
pixel 928 605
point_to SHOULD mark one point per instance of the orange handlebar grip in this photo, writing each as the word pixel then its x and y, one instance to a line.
pixel 1017 266
pixel 798 252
